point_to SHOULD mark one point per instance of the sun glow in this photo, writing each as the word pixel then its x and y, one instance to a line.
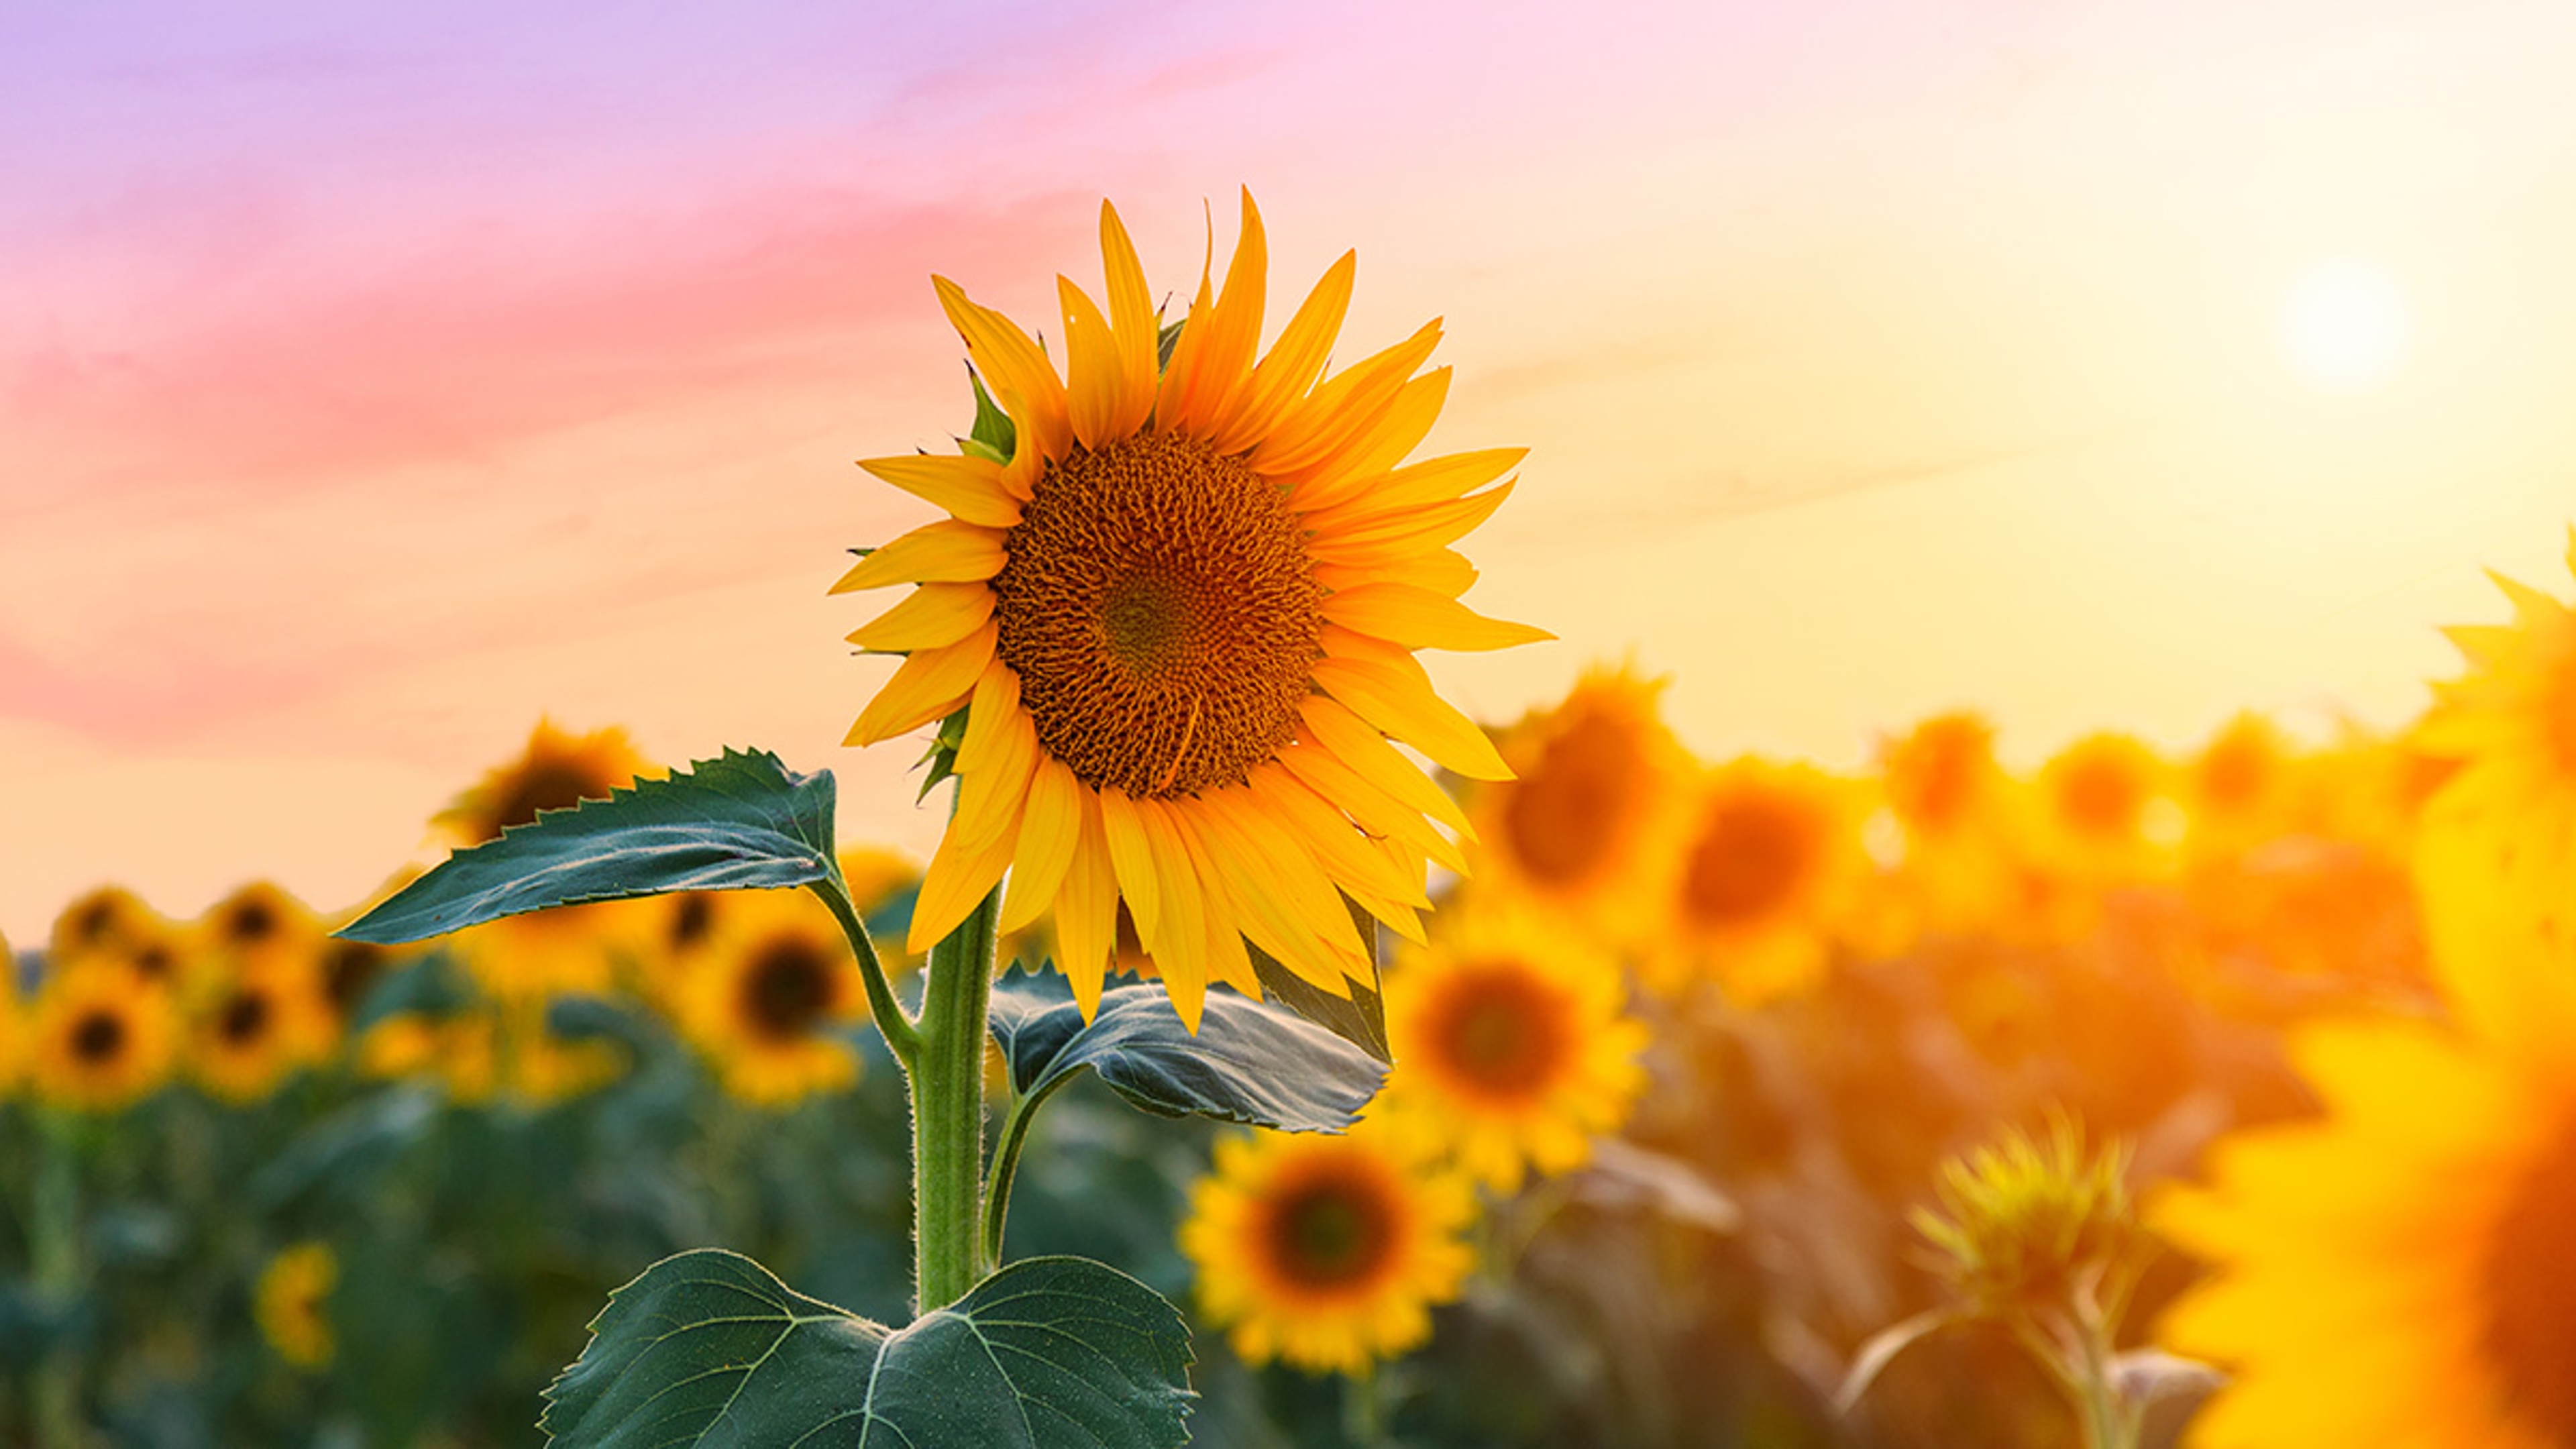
pixel 2344 325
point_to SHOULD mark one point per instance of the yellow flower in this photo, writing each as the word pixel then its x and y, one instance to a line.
pixel 1948 795
pixel 1511 1049
pixel 2238 790
pixel 2097 800
pixel 1769 858
pixel 259 921
pixel 572 949
pixel 257 1029
pixel 1325 1252
pixel 2397 1272
pixel 101 1036
pixel 1180 611
pixel 100 921
pixel 293 1303
pixel 765 1001
pixel 1577 828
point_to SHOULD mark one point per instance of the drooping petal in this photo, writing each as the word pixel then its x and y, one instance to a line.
pixel 955 883
pixel 1049 833
pixel 1125 833
pixel 1178 943
pixel 1279 898
pixel 1405 707
pixel 966 486
pixel 1086 913
pixel 1375 809
pixel 993 783
pixel 1361 744
pixel 1421 619
pixel 928 617
pixel 946 552
pixel 1316 821
pixel 930 684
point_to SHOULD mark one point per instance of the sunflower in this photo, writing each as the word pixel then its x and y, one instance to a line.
pixel 100 921
pixel 293 1303
pixel 1948 795
pixel 2397 1272
pixel 1180 605
pixel 1512 1051
pixel 1325 1252
pixel 251 1033
pixel 2098 809
pixel 766 1002
pixel 1769 858
pixel 101 1036
pixel 1577 827
pixel 572 949
pixel 2505 822
pixel 2238 791
pixel 259 921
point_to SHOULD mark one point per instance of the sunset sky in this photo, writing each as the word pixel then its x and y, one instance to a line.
pixel 372 386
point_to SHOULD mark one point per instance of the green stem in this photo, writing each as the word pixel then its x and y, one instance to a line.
pixel 54 1256
pixel 1006 1166
pixel 902 1037
pixel 948 1110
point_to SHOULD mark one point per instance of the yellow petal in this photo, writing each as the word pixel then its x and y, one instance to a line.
pixel 1376 810
pixel 1181 377
pixel 1179 944
pixel 1401 533
pixel 928 617
pixel 1318 824
pixel 1278 897
pixel 1362 745
pixel 946 552
pixel 993 784
pixel 955 883
pixel 1443 571
pixel 1221 929
pixel 1134 859
pixel 968 487
pixel 1023 381
pixel 930 685
pixel 1433 480
pixel 1294 361
pixel 1086 913
pixel 1421 619
pixel 1404 706
pixel 1096 390
pixel 1348 409
pixel 1050 829
pixel 1132 321
pixel 1224 363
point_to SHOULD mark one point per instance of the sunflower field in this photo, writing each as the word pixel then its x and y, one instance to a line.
pixel 1540 1082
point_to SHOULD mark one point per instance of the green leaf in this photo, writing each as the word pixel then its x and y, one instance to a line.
pixel 708 1348
pixel 993 430
pixel 1251 1062
pixel 1360 1019
pixel 740 822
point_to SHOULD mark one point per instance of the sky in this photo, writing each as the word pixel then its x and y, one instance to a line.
pixel 372 385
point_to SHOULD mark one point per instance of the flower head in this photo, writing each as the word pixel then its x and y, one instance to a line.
pixel 1178 602
pixel 101 1037
pixel 765 1001
pixel 293 1303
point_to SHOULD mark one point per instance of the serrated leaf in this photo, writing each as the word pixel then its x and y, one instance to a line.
pixel 709 1348
pixel 742 821
pixel 1250 1062
pixel 1359 1019
pixel 993 427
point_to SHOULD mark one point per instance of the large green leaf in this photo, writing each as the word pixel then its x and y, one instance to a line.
pixel 1250 1062
pixel 743 821
pixel 709 1349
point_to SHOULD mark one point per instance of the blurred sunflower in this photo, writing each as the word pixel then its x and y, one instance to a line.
pixel 1180 608
pixel 101 1036
pixel 2505 823
pixel 253 1032
pixel 1595 782
pixel 292 1302
pixel 1945 790
pixel 2238 790
pixel 1512 1050
pixel 101 920
pixel 259 921
pixel 1325 1252
pixel 2097 805
pixel 2399 1271
pixel 1769 855
pixel 572 949
pixel 765 1002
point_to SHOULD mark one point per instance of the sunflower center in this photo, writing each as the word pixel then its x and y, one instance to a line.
pixel 349 970
pixel 155 963
pixel 1500 1033
pixel 245 1018
pixel 692 916
pixel 1566 813
pixel 250 923
pixel 1159 608
pixel 2234 773
pixel 2101 798
pixel 787 989
pixel 544 785
pixel 1933 779
pixel 93 923
pixel 98 1036
pixel 2530 1334
pixel 1331 1232
pixel 1751 854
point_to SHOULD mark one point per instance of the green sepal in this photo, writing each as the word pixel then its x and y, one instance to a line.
pixel 993 430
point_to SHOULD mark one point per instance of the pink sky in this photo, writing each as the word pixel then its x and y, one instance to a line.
pixel 369 387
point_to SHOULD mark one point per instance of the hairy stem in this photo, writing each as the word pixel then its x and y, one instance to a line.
pixel 948 1111
pixel 902 1037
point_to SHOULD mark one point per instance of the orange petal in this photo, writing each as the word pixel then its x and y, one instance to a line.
pixel 1404 706
pixel 954 885
pixel 1050 830
pixel 1179 945
pixel 1443 571
pixel 1294 361
pixel 968 487
pixel 1096 392
pixel 1134 859
pixel 1421 619
pixel 930 685
pixel 1433 480
pixel 928 617
pixel 1376 810
pixel 1376 443
pixel 1086 913
pixel 1347 409
pixel 946 552
pixel 1132 321
pixel 1222 364
pixel 993 771
pixel 1023 381
pixel 1320 826
pixel 1361 744
pixel 1270 890
pixel 1401 533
